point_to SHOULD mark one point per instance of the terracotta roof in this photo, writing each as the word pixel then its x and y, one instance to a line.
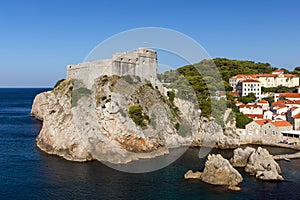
pixel 286 102
pixel 249 106
pixel 278 70
pixel 262 121
pixel 253 116
pixel 234 93
pixel 264 75
pixel 279 107
pixel 250 81
pixel 297 116
pixel 289 75
pixel 281 123
pixel 289 95
pixel 263 102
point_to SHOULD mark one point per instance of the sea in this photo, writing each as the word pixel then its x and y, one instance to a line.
pixel 28 173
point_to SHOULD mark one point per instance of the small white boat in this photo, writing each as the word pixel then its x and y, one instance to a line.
pixel 287 159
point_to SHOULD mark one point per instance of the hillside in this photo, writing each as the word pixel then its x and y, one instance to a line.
pixel 210 76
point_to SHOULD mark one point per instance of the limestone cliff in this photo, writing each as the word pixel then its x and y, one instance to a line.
pixel 82 124
pixel 117 120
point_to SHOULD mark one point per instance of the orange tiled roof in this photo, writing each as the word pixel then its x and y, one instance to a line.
pixel 281 123
pixel 278 70
pixel 249 106
pixel 262 121
pixel 250 81
pixel 263 75
pixel 234 93
pixel 289 95
pixel 263 102
pixel 289 75
pixel 297 116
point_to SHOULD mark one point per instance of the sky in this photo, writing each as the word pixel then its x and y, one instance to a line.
pixel 38 39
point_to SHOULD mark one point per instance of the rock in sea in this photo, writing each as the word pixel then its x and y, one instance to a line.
pixel 240 156
pixel 263 166
pixel 218 171
pixel 192 175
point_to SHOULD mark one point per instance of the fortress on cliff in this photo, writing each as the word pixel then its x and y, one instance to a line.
pixel 141 62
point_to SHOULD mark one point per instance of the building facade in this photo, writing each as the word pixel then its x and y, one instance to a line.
pixel 264 131
pixel 142 63
pixel 275 79
pixel 247 86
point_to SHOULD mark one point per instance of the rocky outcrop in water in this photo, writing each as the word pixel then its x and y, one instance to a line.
pixel 192 175
pixel 83 124
pixel 241 156
pixel 263 166
pixel 218 171
pixel 118 120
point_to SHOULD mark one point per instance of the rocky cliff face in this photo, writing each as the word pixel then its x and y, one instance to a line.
pixel 118 120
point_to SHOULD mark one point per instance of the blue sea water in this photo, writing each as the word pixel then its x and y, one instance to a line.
pixel 28 173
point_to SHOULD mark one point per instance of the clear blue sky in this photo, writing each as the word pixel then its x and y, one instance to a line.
pixel 39 38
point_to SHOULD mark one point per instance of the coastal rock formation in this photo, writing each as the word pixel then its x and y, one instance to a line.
pixel 192 175
pixel 263 166
pixel 115 121
pixel 228 143
pixel 240 156
pixel 218 171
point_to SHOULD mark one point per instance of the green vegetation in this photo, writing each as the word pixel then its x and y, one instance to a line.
pixel 269 99
pixel 171 95
pixel 131 79
pixel 229 68
pixel 279 89
pixel 199 82
pixel 250 98
pixel 136 114
pixel 241 119
pixel 77 94
pixel 58 82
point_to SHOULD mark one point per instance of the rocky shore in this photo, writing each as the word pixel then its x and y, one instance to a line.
pixel 120 119
pixel 220 171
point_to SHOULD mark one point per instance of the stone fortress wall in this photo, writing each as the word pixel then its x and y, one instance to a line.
pixel 141 62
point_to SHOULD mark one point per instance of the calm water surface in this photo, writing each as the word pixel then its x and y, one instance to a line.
pixel 27 173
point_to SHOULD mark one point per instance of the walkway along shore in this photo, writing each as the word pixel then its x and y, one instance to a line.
pixel 284 156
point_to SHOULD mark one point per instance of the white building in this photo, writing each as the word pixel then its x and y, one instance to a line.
pixel 288 96
pixel 251 109
pixel 247 86
pixel 264 104
pixel 275 79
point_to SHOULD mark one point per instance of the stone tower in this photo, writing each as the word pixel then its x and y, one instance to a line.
pixel 142 63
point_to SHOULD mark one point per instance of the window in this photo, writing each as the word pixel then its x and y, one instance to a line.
pixel 273 133
pixel 265 132
pixel 250 132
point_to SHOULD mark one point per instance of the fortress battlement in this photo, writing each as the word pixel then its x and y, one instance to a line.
pixel 141 62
